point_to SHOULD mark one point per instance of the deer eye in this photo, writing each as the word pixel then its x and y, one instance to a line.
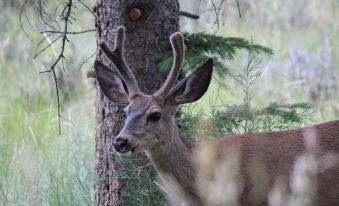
pixel 154 117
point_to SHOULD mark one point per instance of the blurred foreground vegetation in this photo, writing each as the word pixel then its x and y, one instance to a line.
pixel 40 167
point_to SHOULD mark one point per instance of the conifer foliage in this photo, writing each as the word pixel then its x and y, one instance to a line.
pixel 200 46
pixel 233 118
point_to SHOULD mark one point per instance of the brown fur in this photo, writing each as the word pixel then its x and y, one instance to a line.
pixel 277 151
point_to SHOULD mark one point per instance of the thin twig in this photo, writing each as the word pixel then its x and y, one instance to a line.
pixel 189 15
pixel 42 41
pixel 87 59
pixel 58 98
pixel 238 8
pixel 43 14
pixel 216 15
pixel 68 32
pixel 87 7
pixel 23 9
pixel 37 53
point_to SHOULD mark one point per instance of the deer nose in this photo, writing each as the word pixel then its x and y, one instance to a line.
pixel 120 144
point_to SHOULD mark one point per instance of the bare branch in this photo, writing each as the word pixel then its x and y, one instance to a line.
pixel 65 15
pixel 58 99
pixel 218 8
pixel 189 15
pixel 22 11
pixel 238 8
pixel 68 32
pixel 44 16
pixel 216 14
pixel 87 59
pixel 87 7
pixel 37 53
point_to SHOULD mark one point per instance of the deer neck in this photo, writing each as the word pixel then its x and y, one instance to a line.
pixel 173 161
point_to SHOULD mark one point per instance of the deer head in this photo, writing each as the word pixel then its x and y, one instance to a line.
pixel 149 118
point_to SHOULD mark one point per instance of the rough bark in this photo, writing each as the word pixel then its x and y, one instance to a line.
pixel 143 50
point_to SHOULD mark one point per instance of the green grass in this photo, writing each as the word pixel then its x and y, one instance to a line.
pixel 37 165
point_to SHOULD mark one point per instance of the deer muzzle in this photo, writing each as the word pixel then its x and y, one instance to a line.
pixel 123 144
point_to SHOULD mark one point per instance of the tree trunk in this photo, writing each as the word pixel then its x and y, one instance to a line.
pixel 143 49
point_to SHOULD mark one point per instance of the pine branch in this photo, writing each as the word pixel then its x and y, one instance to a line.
pixel 201 46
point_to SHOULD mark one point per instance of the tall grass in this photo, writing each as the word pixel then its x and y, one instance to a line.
pixel 37 165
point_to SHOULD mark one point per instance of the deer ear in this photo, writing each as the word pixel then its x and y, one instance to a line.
pixel 111 84
pixel 193 87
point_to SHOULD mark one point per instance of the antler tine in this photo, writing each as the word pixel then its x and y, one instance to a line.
pixel 177 42
pixel 117 57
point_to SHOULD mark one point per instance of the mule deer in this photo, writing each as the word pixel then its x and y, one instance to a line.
pixel 261 159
